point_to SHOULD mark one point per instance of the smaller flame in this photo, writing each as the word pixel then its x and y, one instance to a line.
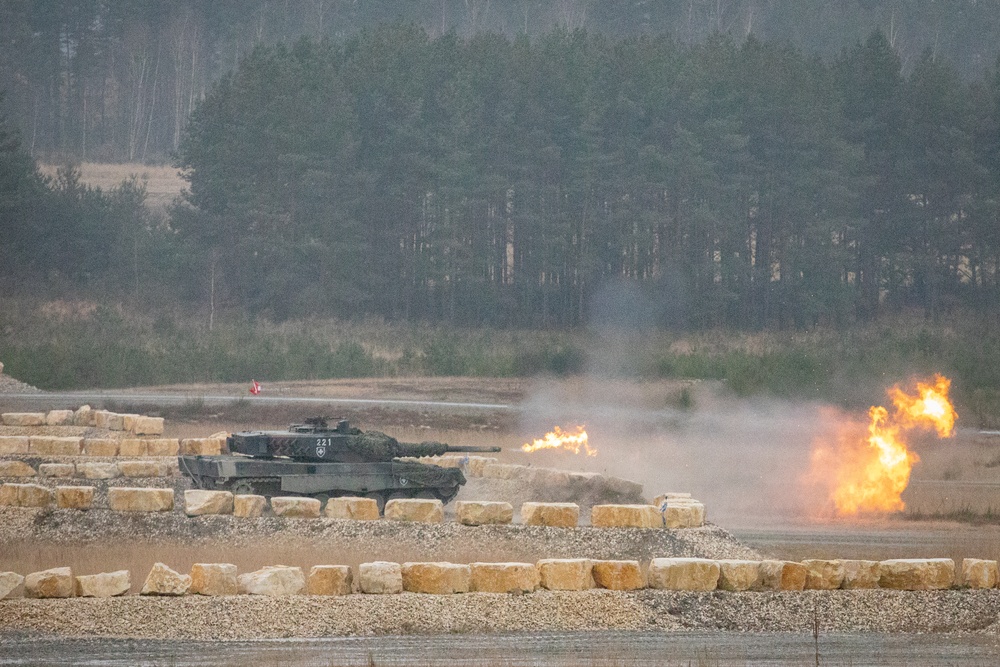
pixel 558 439
pixel 929 408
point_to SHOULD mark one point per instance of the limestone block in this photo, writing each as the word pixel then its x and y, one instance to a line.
pixel 98 470
pixel 976 573
pixel 671 495
pixel 54 446
pixel 201 446
pixel 33 495
pixel 56 469
pixel 23 418
pixel 625 516
pixel 142 468
pixel 162 446
pixel 9 581
pixel 436 578
pixel 558 515
pixel 74 497
pixel 682 513
pixel 380 577
pixel 419 510
pixel 446 461
pixel 329 580
pixel 99 418
pixel 780 575
pixel 618 575
pixel 860 574
pixel 100 447
pixel 83 416
pixel 199 501
pixel 738 575
pixel 214 579
pixel 247 506
pixel 164 581
pixel 273 581
pixel 482 512
pixel 124 499
pixel 823 575
pixel 8 494
pixel 128 422
pixel 684 574
pixel 59 418
pixel 917 574
pixel 504 577
pixel 133 447
pixel 352 508
pixel 104 585
pixel 477 464
pixel 504 471
pixel 13 444
pixel 565 574
pixel 25 495
pixel 550 478
pixel 55 583
pixel 16 469
pixel 147 425
pixel 295 507
pixel 115 421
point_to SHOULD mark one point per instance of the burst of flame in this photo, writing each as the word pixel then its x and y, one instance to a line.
pixel 558 439
pixel 930 407
pixel 872 477
pixel 878 483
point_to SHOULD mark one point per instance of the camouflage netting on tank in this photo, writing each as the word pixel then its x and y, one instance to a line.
pixel 377 446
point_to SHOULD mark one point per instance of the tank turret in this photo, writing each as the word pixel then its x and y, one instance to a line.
pixel 322 458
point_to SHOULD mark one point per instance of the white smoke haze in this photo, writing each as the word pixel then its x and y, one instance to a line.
pixel 749 461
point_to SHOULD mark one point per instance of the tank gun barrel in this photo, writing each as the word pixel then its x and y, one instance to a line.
pixel 472 448
pixel 432 448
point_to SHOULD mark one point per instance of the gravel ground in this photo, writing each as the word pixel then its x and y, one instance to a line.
pixel 61 528
pixel 252 617
pixel 9 385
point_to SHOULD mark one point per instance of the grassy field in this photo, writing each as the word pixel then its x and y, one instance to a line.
pixel 67 344
pixel 163 183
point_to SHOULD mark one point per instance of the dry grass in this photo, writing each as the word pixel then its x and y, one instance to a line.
pixel 163 183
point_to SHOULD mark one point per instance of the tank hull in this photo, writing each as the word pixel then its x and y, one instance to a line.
pixel 269 477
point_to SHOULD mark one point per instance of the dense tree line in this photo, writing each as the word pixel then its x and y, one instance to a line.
pixel 115 80
pixel 488 180
pixel 57 233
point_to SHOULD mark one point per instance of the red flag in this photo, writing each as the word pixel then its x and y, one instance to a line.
pixel 254 387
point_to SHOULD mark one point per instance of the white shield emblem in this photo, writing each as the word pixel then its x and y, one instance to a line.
pixel 320 451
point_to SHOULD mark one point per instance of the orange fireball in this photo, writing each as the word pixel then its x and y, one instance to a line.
pixel 558 439
pixel 929 408
pixel 869 474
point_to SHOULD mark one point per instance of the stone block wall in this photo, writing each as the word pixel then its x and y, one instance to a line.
pixel 443 578
pixel 85 416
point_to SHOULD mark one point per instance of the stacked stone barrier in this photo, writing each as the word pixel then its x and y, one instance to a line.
pixel 444 578
pixel 90 469
pixel 85 416
pixel 200 502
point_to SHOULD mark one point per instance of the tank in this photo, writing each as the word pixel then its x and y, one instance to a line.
pixel 323 458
